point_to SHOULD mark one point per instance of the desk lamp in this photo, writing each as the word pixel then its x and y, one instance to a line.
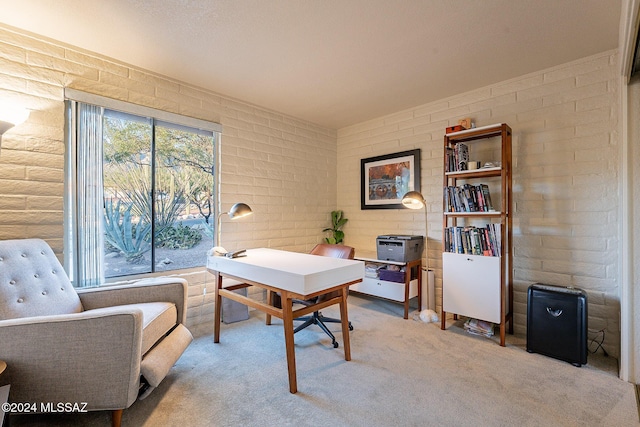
pixel 415 200
pixel 238 210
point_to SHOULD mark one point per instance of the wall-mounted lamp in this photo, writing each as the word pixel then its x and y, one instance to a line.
pixel 238 210
pixel 11 116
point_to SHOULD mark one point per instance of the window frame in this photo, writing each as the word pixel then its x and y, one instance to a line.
pixel 72 97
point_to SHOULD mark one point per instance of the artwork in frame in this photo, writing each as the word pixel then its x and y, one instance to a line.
pixel 385 179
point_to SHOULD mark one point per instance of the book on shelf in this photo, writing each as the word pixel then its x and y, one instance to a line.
pixel 457 158
pixel 462 156
pixel 450 159
pixel 468 198
pixel 484 190
pixel 472 240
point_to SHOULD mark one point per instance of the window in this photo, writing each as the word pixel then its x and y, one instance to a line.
pixel 140 192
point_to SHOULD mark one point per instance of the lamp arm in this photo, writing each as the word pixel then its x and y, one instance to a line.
pixel 219 225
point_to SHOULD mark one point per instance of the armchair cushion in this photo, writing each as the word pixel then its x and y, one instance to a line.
pixel 157 319
pixel 161 299
pixel 32 281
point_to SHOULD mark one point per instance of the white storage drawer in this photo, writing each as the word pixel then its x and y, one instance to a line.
pixel 382 288
pixel 471 286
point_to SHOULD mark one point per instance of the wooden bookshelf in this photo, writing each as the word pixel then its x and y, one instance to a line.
pixel 475 285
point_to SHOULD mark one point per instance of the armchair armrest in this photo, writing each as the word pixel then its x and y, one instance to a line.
pixel 91 357
pixel 159 289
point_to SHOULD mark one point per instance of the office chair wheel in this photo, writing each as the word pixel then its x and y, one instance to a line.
pixel 335 344
pixel 350 326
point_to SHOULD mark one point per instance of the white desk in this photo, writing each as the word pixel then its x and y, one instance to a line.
pixel 294 276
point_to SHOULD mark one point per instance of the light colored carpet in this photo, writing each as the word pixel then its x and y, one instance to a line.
pixel 402 373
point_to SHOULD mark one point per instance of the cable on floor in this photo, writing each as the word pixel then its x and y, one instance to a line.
pixel 596 342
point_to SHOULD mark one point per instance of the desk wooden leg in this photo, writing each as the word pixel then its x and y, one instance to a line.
pixel 267 320
pixel 217 309
pixel 344 316
pixel 287 319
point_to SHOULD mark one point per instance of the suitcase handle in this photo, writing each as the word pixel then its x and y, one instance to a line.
pixel 554 313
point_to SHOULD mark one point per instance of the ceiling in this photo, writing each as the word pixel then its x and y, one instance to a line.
pixel 331 62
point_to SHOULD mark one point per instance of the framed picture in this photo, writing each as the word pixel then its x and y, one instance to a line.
pixel 385 179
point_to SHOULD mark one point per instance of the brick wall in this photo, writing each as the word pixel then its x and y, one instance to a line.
pixel 284 168
pixel 564 120
pixel 565 179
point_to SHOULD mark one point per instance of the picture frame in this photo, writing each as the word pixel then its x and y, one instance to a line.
pixel 384 180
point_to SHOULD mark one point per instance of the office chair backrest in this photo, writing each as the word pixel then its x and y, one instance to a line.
pixel 335 251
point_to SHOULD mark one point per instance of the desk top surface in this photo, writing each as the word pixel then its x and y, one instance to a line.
pixel 296 272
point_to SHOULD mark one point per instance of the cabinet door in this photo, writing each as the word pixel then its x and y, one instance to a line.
pixel 471 286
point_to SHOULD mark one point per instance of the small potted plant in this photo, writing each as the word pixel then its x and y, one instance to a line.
pixel 337 222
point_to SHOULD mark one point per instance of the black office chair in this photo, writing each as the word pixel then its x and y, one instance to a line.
pixel 322 249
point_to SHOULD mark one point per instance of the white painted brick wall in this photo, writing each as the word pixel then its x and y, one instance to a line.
pixel 565 179
pixel 284 168
pixel 564 120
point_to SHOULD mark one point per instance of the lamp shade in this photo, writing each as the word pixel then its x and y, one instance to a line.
pixel 414 200
pixel 5 126
pixel 11 116
pixel 239 210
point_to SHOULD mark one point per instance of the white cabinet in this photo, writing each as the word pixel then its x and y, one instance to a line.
pixel 473 285
pixel 394 291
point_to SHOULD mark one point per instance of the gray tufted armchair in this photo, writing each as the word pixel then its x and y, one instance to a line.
pixel 103 346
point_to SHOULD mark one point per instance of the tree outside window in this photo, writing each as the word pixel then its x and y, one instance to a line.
pixel 158 195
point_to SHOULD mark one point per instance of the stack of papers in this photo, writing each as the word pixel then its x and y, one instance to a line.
pixel 371 269
pixel 479 327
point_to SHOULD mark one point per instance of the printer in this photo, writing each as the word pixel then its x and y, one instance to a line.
pixel 400 248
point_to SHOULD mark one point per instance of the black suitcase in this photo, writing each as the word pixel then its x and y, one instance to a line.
pixel 557 322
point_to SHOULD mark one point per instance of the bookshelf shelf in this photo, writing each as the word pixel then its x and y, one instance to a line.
pixel 477 173
pixel 473 214
pixel 477 260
